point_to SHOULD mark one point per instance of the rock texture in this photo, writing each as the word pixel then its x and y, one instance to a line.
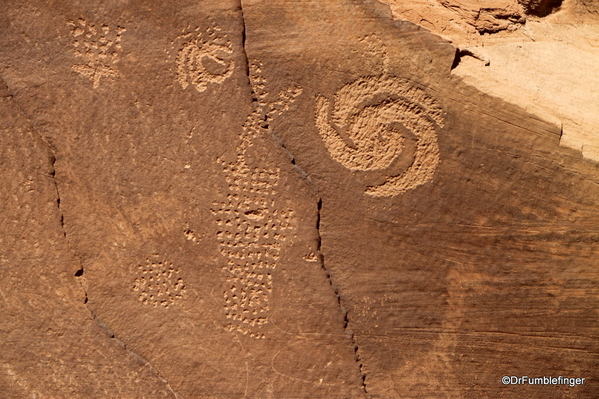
pixel 539 55
pixel 274 199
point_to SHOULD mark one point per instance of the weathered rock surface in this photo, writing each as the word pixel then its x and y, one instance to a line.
pixel 539 55
pixel 274 199
pixel 52 346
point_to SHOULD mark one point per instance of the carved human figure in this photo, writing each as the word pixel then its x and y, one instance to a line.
pixel 251 223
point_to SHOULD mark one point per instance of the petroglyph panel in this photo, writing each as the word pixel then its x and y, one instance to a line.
pixel 158 283
pixel 98 47
pixel 251 226
pixel 203 58
pixel 366 127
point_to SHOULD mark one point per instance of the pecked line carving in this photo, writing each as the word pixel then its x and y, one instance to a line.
pixel 203 58
pixel 98 48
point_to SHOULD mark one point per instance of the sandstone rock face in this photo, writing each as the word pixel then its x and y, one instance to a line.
pixel 539 55
pixel 274 199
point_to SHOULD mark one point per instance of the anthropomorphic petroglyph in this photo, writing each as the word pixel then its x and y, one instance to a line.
pixel 98 47
pixel 203 58
pixel 366 127
pixel 251 225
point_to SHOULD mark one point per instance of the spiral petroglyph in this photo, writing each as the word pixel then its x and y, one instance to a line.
pixel 366 127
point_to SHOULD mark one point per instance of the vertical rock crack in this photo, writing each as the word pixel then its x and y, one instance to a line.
pixel 79 273
pixel 346 321
pixel 303 174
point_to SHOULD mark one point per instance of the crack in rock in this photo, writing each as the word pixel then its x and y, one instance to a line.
pixel 335 289
pixel 79 273
pixel 304 175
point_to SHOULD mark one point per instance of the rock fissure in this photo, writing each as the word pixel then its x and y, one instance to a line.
pixel 243 49
pixel 79 273
pixel 346 321
pixel 112 335
pixel 266 125
pixel 266 120
pixel 52 175
pixel 464 52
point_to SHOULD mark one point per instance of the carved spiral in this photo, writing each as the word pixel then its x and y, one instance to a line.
pixel 360 130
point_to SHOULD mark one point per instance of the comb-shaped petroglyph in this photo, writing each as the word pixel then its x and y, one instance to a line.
pixel 98 47
pixel 204 57
pixel 158 283
pixel 366 127
pixel 251 226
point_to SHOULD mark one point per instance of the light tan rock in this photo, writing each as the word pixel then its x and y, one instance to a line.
pixel 536 54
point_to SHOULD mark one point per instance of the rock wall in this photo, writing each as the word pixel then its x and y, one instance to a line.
pixel 539 55
pixel 274 199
